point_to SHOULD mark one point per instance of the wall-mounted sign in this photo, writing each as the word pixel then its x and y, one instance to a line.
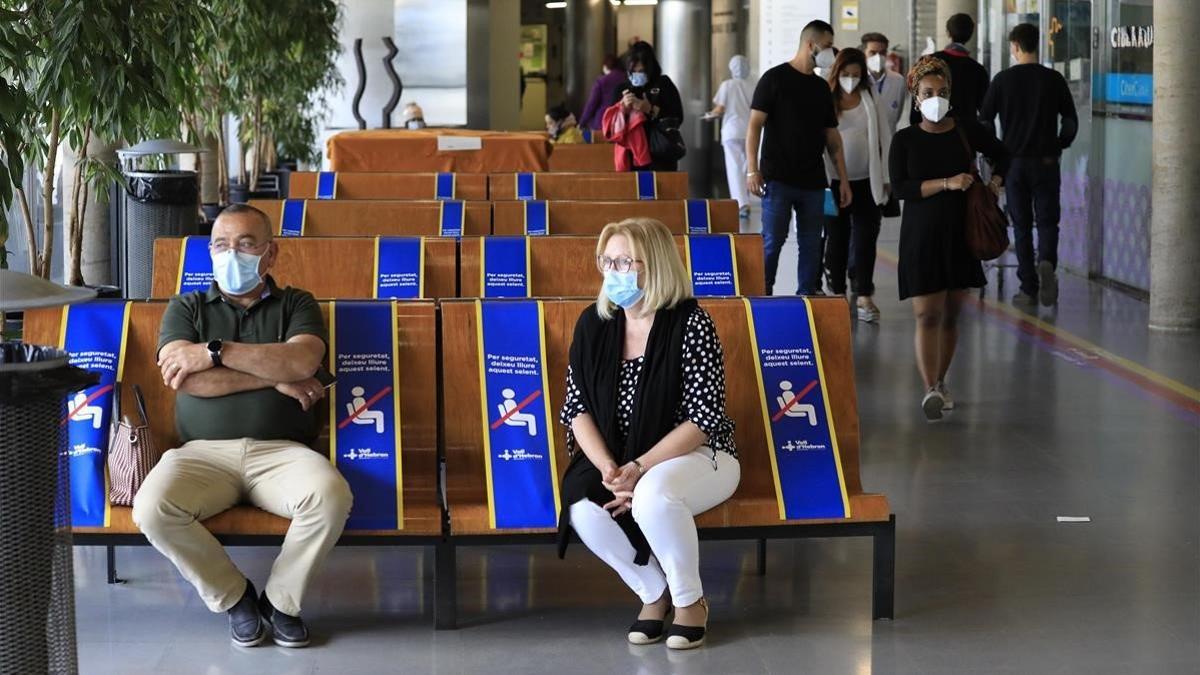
pixel 1131 37
pixel 850 16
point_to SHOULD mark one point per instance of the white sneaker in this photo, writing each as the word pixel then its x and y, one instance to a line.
pixel 868 312
pixel 947 402
pixel 932 405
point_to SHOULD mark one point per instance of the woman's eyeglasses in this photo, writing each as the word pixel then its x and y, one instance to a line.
pixel 621 264
pixel 218 247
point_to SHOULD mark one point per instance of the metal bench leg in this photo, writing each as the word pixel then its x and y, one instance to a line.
pixel 445 564
pixel 762 557
pixel 111 564
pixel 883 574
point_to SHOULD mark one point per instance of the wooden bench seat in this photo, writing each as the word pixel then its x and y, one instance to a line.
pixel 588 186
pixel 307 262
pixel 388 185
pixel 417 351
pixel 564 265
pixel 590 217
pixel 582 157
pixel 342 218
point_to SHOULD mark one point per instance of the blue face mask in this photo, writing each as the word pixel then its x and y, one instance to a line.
pixel 638 79
pixel 236 273
pixel 622 288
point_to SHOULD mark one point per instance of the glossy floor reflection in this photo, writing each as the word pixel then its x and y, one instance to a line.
pixel 987 580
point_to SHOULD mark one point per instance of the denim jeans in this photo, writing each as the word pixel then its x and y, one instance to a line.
pixel 778 204
pixel 1032 187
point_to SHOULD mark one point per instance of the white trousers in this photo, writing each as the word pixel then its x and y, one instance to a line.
pixel 735 170
pixel 665 503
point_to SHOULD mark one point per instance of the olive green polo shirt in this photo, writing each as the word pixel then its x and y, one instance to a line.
pixel 263 414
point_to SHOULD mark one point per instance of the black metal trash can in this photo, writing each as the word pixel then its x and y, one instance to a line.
pixel 157 204
pixel 37 586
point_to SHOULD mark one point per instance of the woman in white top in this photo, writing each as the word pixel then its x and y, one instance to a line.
pixel 866 139
pixel 732 102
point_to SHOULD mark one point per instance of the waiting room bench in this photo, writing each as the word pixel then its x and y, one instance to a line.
pixel 438 149
pixel 327 267
pixel 752 512
pixel 340 218
pixel 248 525
pixel 582 157
pixel 564 265
pixel 559 266
pixel 389 185
pixel 590 217
pixel 590 186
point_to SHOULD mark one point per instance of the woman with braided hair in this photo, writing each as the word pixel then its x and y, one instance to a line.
pixel 931 170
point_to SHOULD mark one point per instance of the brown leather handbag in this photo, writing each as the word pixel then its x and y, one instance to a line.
pixel 131 454
pixel 986 227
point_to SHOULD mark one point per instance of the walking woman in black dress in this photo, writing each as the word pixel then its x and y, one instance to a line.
pixel 930 170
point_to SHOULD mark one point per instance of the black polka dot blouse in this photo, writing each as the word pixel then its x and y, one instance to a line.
pixel 702 400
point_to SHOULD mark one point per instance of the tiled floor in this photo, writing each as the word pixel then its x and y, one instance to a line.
pixel 987 580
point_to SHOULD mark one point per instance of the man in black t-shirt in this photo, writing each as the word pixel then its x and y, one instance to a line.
pixel 792 114
pixel 1030 98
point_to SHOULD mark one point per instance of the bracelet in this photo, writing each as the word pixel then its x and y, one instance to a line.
pixel 641 469
pixel 753 173
pixel 945 185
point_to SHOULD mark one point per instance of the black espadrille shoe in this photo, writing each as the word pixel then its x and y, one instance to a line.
pixel 688 637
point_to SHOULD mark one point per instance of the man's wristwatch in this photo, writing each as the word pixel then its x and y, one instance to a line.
pixel 214 352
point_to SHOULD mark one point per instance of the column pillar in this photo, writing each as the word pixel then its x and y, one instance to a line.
pixel 684 48
pixel 947 9
pixel 1174 237
pixel 588 35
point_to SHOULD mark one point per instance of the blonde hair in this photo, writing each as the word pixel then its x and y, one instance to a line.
pixel 666 281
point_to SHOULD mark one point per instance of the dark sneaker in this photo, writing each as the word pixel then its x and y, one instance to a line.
pixel 288 630
pixel 1047 284
pixel 245 623
pixel 1024 301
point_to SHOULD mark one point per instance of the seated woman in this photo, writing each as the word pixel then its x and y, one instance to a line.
pixel 561 125
pixel 649 440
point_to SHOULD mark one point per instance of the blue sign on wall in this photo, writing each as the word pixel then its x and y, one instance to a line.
pixel 1135 88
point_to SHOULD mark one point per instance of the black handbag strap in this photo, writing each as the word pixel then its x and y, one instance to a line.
pixel 141 405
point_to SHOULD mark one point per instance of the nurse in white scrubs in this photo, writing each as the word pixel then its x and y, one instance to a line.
pixel 732 103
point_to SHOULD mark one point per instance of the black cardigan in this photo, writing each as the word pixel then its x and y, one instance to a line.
pixel 597 352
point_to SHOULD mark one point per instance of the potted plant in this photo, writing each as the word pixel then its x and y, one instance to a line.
pixel 111 70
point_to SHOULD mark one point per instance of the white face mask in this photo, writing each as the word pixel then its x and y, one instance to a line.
pixel 825 58
pixel 935 108
pixel 235 272
pixel 848 84
pixel 876 63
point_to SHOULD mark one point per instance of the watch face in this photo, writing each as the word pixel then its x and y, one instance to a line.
pixel 214 346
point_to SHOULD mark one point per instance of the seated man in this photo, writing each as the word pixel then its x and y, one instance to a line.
pixel 242 356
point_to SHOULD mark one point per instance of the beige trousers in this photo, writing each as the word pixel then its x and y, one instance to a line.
pixel 204 478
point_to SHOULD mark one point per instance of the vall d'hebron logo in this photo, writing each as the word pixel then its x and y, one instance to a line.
pixel 518 455
pixel 802 446
pixel 364 453
pixel 82 449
